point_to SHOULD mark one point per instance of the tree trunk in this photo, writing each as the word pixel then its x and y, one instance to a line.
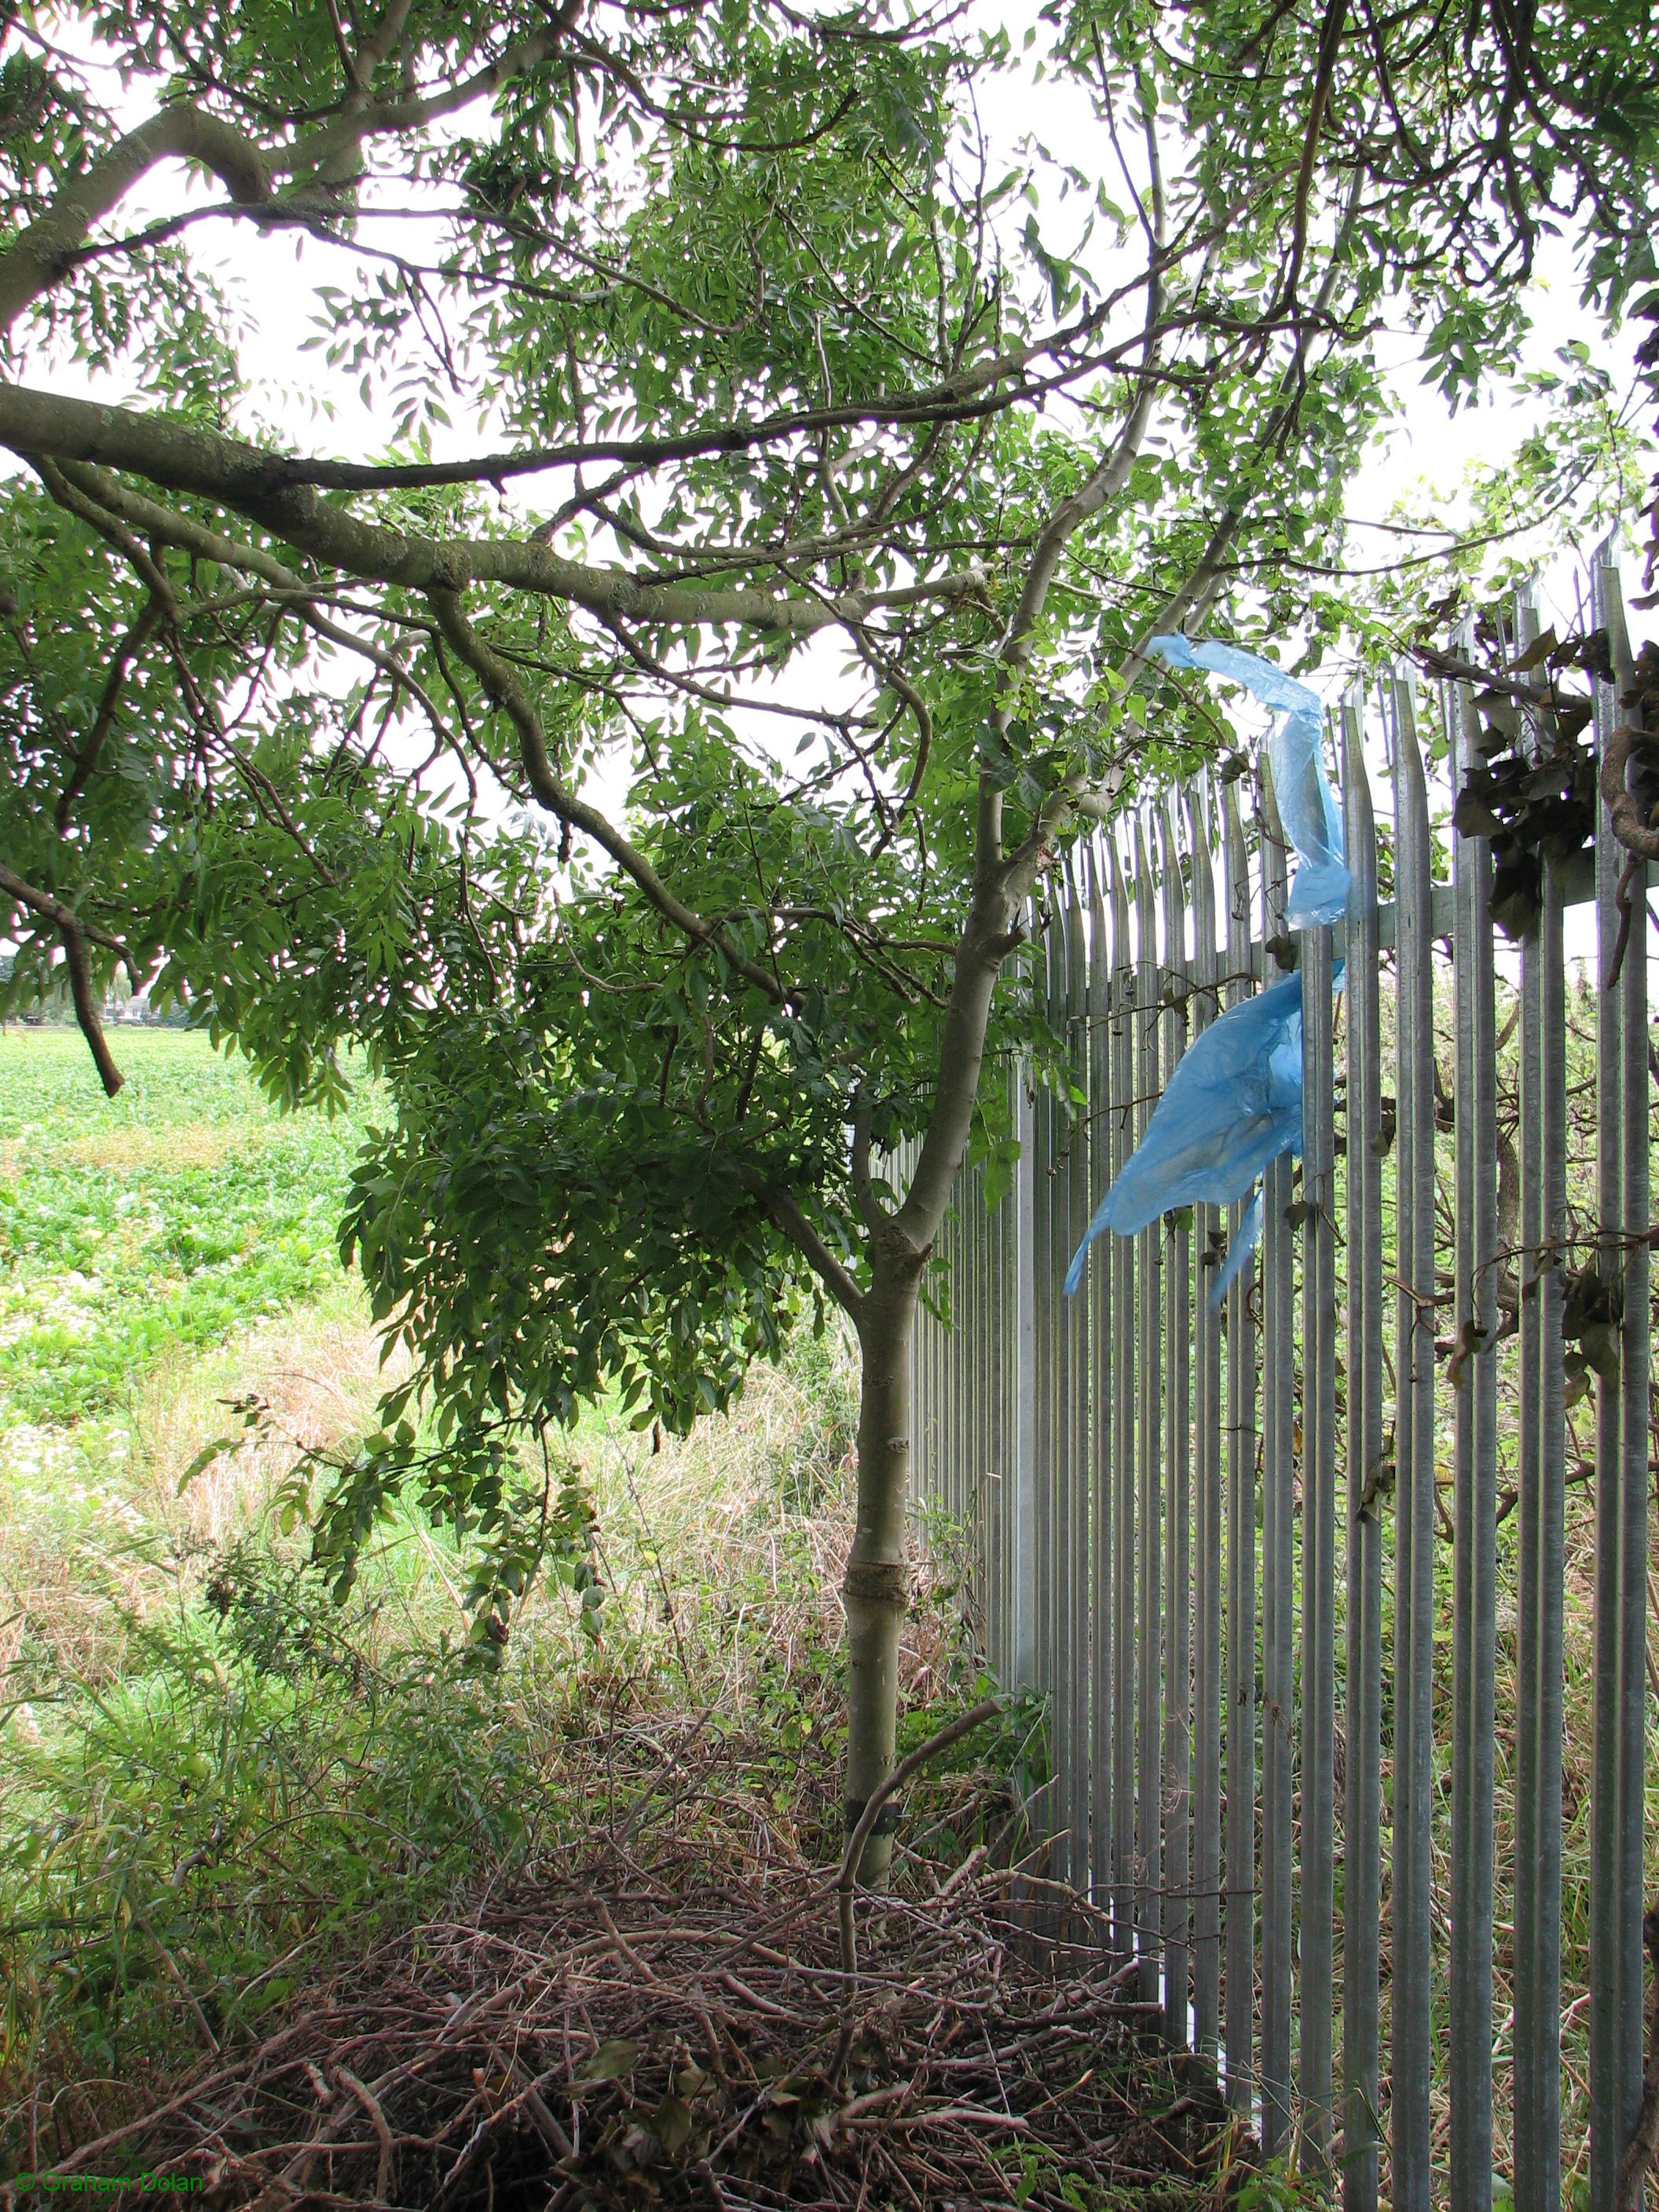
pixel 876 1591
pixel 878 1586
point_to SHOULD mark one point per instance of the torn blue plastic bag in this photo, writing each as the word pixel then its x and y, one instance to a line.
pixel 1233 1105
pixel 1306 806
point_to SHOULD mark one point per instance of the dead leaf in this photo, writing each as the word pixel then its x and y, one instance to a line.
pixel 612 2062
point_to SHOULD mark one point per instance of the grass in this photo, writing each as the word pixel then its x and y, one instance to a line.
pixel 262 1783
pixel 1578 1679
pixel 158 1251
pixel 213 1780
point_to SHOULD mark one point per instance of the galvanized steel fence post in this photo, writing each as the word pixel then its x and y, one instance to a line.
pixel 1474 1376
pixel 1365 1494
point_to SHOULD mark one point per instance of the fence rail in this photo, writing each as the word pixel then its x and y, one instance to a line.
pixel 1216 1540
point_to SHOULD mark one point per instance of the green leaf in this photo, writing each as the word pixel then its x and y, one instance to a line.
pixel 204 1459
pixel 673 2124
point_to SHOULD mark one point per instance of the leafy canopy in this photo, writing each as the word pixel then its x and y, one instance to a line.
pixel 647 755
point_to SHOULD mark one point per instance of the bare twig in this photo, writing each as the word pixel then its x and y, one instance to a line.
pixel 852 1856
pixel 1638 2161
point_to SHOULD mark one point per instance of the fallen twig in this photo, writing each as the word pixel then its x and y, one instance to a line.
pixel 583 2040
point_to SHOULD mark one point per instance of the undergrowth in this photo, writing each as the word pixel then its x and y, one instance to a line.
pixel 272 1782
pixel 216 1783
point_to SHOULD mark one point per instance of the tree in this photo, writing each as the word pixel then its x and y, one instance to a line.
pixel 857 499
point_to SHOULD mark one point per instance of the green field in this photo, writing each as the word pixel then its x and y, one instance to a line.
pixel 139 1228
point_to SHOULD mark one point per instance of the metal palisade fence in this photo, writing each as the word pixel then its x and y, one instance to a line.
pixel 1303 1579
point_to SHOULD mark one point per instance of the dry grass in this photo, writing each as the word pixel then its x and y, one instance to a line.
pixel 317 1375
pixel 344 1762
pixel 239 1807
pixel 139 1151
pixel 100 1535
pixel 662 2015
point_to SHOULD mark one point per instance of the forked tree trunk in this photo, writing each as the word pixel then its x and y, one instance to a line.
pixel 876 1591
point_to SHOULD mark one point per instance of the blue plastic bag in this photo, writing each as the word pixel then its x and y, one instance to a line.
pixel 1248 1236
pixel 1306 806
pixel 1233 1105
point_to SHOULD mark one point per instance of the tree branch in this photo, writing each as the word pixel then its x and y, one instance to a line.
pixel 871 1212
pixel 1194 596
pixel 785 1215
pixel 501 682
pixel 72 934
pixel 181 457
pixel 959 398
pixel 86 1009
pixel 41 255
pixel 377 47
pixel 81 500
pixel 100 499
pixel 1106 483
pixel 1625 813
pixel 992 930
pixel 1330 42
pixel 328 156
pixel 127 649
pixel 63 917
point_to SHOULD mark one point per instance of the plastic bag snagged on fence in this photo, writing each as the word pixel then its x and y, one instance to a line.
pixel 1233 1105
pixel 1306 806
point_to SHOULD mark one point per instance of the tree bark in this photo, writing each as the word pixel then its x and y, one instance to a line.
pixel 877 1589
pixel 86 1008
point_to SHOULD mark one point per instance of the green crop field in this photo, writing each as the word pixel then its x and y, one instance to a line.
pixel 137 1229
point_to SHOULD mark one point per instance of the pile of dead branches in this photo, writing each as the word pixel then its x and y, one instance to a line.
pixel 643 2027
